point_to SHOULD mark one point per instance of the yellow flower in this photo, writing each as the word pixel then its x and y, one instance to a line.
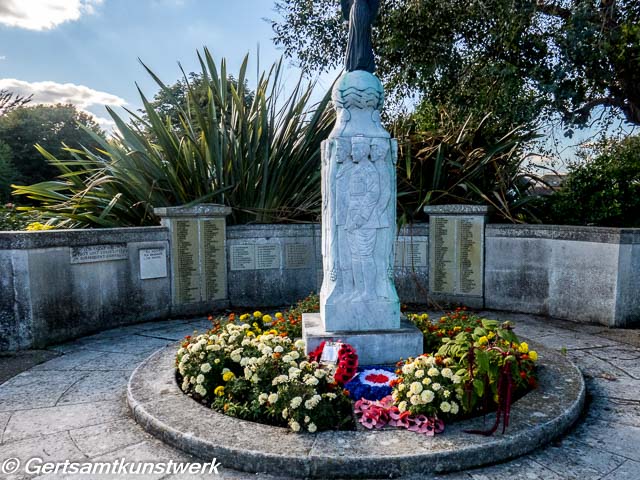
pixel 533 355
pixel 457 328
pixel 267 319
pixel 272 332
pixel 523 348
pixel 250 333
pixel 279 315
pixel 424 317
pixel 35 226
pixel 482 340
pixel 244 317
pixel 490 335
pixel 226 377
pixel 219 391
pixel 257 314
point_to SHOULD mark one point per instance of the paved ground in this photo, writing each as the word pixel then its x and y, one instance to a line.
pixel 72 407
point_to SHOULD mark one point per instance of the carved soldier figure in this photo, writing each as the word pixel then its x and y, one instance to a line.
pixel 361 15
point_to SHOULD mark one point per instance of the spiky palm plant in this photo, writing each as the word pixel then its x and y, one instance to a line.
pixel 261 157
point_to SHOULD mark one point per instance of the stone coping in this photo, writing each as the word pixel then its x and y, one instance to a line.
pixel 163 410
pixel 240 232
pixel 79 237
pixel 565 232
pixel 481 210
pixel 200 210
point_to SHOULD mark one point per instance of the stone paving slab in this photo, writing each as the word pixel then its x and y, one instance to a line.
pixel 601 440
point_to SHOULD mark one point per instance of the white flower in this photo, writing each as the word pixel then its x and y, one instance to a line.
pixel 273 398
pixel 205 367
pixel 433 372
pixel 415 388
pixel 295 426
pixel 427 396
pixel 430 361
pixel 185 384
pixel 445 407
pixel 312 402
pixel 200 378
pixel 311 380
pixel 307 419
pixel 447 373
pixel 296 402
pixel 299 344
pixel 419 373
pixel 295 355
pixel 278 349
pixel 435 387
pixel 262 398
pixel 330 395
pixel 426 381
pixel 201 390
pixel 456 379
pixel 312 427
pixel 401 387
pixel 402 406
pixel 285 413
pixel 454 408
pixel 319 373
pixel 287 358
pixel 408 368
pixel 185 358
pixel 280 379
pixel 415 400
pixel 446 393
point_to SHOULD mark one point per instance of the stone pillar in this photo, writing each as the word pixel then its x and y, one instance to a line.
pixel 198 260
pixel 456 253
pixel 358 299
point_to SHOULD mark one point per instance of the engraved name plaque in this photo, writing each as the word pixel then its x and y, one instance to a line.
pixel 456 255
pixel 186 261
pixel 242 257
pixel 298 255
pixel 99 253
pixel 212 235
pixel 153 263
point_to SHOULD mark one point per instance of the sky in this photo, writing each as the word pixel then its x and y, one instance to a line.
pixel 86 51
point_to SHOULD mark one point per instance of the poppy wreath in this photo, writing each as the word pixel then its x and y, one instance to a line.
pixel 378 414
pixel 347 364
pixel 372 383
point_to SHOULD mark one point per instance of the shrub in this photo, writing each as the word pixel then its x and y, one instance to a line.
pixel 604 190
pixel 261 376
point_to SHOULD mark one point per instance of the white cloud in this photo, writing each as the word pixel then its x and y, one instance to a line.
pixel 51 93
pixel 3 57
pixel 44 14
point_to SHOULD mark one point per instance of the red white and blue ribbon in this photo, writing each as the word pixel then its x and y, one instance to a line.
pixel 371 383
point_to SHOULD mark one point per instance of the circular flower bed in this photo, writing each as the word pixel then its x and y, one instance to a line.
pixel 256 372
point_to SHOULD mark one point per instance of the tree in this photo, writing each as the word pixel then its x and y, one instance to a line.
pixel 190 93
pixel 515 58
pixel 9 101
pixel 8 172
pixel 50 126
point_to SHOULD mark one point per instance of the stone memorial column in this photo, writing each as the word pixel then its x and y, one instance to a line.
pixel 456 254
pixel 198 259
pixel 358 300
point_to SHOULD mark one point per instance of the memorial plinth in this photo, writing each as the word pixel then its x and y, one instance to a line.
pixel 456 253
pixel 358 299
pixel 198 259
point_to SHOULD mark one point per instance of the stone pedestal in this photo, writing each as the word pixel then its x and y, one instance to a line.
pixel 456 254
pixel 358 299
pixel 198 259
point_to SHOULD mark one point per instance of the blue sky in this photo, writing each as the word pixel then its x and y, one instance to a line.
pixel 94 45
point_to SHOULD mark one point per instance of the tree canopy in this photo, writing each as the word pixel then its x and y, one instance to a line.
pixel 10 101
pixel 52 127
pixel 516 58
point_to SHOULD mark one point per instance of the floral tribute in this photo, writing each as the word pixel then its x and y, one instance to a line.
pixel 377 414
pixel 262 376
pixel 371 383
pixel 346 365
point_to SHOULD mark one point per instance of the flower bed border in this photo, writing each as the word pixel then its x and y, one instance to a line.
pixel 160 407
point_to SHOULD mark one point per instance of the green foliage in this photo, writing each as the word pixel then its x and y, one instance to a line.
pixel 9 101
pixel 50 126
pixel 603 190
pixel 8 172
pixel 459 163
pixel 262 158
pixel 516 59
pixel 10 219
